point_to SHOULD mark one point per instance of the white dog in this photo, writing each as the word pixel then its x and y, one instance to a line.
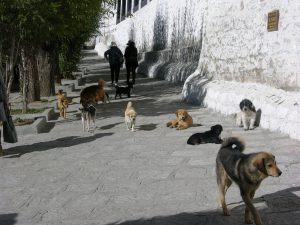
pixel 246 118
pixel 130 116
pixel 88 114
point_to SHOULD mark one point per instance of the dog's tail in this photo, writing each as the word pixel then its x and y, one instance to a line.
pixel 238 142
pixel 129 104
pixel 101 83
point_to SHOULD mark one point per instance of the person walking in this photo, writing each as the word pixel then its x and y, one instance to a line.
pixel 9 132
pixel 115 58
pixel 131 61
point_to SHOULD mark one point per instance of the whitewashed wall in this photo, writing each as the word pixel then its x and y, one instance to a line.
pixel 164 19
pixel 238 57
pixel 237 45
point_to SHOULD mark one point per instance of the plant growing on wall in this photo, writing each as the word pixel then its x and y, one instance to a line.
pixel 184 33
pixel 160 32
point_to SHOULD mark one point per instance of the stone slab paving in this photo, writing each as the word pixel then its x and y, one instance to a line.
pixel 149 177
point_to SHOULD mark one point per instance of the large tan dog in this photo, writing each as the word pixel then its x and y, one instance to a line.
pixel 62 104
pixel 93 94
pixel 130 116
pixel 247 171
pixel 183 120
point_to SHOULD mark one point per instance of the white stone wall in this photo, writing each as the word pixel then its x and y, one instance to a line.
pixel 178 27
pixel 237 45
pixel 239 58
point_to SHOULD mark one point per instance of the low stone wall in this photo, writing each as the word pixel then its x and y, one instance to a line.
pixel 172 65
pixel 280 109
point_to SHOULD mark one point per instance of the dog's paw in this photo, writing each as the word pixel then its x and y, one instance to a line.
pixel 226 212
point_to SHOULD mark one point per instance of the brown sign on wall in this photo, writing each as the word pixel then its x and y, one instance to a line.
pixel 273 20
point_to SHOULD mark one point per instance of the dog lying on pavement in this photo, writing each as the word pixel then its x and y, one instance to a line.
pixel 183 120
pixel 212 136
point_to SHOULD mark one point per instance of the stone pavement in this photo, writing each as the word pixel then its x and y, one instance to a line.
pixel 149 177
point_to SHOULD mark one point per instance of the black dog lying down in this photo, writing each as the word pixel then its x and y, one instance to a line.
pixel 212 136
pixel 124 90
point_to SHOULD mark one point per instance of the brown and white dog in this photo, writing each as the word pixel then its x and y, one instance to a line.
pixel 130 116
pixel 93 94
pixel 183 120
pixel 62 104
pixel 246 170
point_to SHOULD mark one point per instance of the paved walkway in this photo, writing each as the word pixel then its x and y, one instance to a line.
pixel 148 177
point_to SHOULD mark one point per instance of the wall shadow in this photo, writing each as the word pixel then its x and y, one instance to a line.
pixel 282 209
pixel 8 219
pixel 48 145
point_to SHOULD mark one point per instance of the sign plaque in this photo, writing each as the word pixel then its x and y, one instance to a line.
pixel 273 19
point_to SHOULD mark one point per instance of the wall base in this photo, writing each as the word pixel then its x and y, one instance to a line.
pixel 280 109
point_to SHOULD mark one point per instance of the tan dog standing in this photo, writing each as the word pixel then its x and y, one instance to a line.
pixel 183 120
pixel 62 104
pixel 247 171
pixel 130 117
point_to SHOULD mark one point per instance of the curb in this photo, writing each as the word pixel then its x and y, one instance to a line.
pixel 40 125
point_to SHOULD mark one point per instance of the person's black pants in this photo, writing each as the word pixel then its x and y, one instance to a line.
pixel 130 68
pixel 114 72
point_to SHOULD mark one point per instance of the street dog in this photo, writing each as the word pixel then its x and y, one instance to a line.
pixel 123 90
pixel 212 136
pixel 246 118
pixel 246 170
pixel 62 104
pixel 88 114
pixel 183 120
pixel 93 94
pixel 130 116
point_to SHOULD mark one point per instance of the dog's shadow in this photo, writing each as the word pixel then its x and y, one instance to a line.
pixel 258 117
pixel 109 126
pixel 147 127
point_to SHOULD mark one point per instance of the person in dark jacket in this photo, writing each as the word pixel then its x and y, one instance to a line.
pixel 115 58
pixel 4 109
pixel 131 60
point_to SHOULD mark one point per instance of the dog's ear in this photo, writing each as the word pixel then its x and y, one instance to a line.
pixel 259 163
pixel 176 113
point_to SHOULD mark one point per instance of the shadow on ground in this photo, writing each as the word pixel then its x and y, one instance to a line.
pixel 48 145
pixel 8 219
pixel 281 208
